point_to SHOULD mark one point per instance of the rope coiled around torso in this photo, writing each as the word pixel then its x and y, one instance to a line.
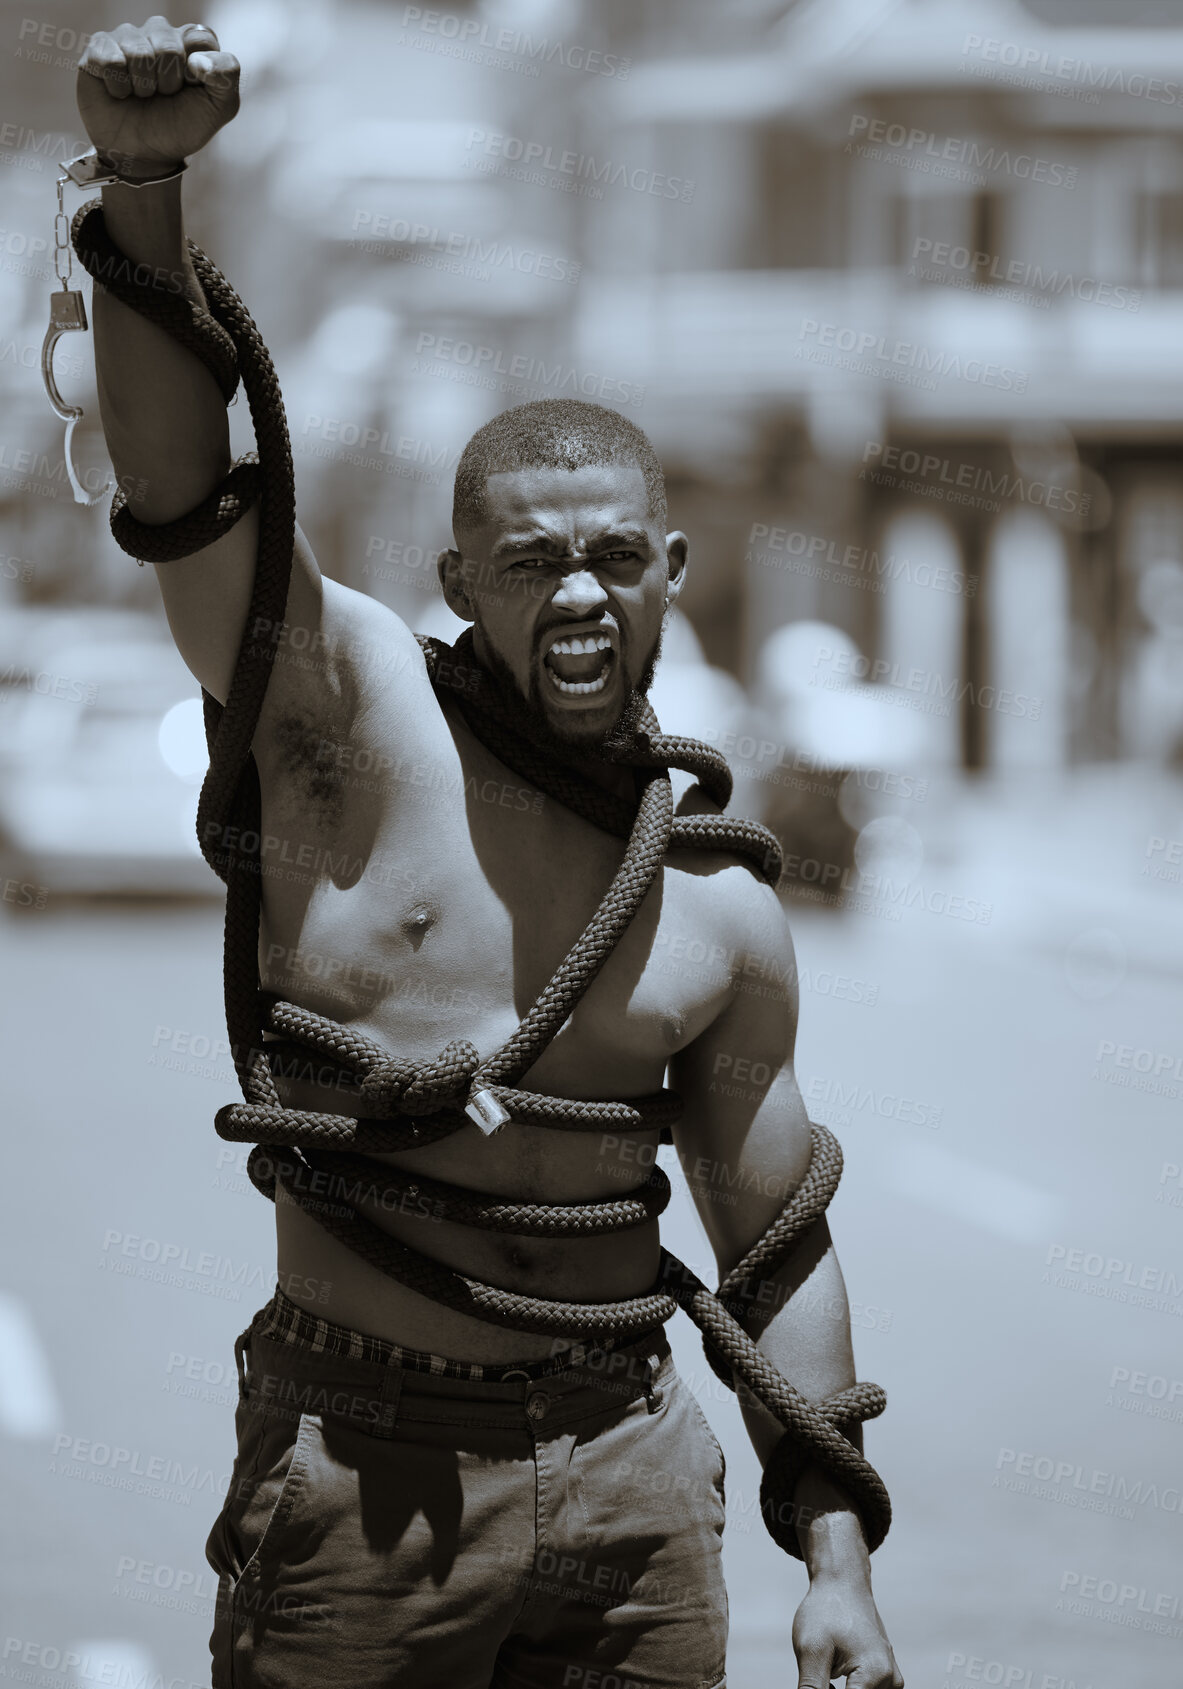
pixel 320 1159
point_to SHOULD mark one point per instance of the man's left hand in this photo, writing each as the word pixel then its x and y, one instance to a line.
pixel 838 1633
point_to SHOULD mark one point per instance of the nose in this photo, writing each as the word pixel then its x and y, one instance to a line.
pixel 580 593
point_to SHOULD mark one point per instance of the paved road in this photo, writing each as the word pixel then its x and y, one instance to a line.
pixel 988 1133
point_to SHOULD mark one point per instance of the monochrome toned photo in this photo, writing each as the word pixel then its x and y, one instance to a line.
pixel 591 829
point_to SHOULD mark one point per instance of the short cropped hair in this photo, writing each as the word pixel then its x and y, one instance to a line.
pixel 552 434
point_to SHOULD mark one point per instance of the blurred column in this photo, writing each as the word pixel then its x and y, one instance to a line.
pixel 1026 698
pixel 921 630
pixel 1151 617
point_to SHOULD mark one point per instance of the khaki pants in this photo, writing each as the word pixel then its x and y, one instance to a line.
pixel 387 1528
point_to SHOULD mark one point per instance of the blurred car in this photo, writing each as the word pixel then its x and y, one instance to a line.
pixel 101 756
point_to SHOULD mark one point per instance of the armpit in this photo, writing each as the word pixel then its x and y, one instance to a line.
pixel 309 756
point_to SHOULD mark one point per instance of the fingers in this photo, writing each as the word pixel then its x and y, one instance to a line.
pixel 168 50
pixel 139 59
pixel 104 60
pixel 814 1666
pixel 157 58
pixel 877 1674
pixel 199 38
pixel 217 72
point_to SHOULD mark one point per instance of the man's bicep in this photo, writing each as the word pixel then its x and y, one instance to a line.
pixel 744 1140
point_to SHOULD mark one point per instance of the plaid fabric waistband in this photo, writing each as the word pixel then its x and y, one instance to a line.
pixel 284 1321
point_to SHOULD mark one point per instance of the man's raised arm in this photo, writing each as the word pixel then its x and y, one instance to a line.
pixel 744 1145
pixel 150 97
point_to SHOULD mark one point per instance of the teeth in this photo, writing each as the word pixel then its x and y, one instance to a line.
pixel 575 688
pixel 582 647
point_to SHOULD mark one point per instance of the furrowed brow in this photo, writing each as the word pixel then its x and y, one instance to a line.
pixel 617 537
pixel 514 544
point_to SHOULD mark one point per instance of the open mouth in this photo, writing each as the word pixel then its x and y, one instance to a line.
pixel 579 665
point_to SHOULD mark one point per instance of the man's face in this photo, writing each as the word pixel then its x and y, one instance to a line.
pixel 567 581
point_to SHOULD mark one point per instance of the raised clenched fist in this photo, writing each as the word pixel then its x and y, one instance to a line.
pixel 152 95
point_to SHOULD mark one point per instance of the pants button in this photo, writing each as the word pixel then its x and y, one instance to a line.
pixel 537 1403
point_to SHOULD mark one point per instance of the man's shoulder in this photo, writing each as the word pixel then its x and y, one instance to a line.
pixel 733 902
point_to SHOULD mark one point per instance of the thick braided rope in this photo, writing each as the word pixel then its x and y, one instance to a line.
pixel 230 795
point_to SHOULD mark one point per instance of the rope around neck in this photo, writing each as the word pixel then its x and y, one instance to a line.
pixel 409 1104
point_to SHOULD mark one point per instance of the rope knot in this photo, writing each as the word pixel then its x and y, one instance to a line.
pixel 405 1087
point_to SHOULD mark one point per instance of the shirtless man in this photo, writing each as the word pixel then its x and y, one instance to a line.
pixel 469 1505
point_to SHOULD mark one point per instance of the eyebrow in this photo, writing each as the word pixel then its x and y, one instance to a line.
pixel 515 544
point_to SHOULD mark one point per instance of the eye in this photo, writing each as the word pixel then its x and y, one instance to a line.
pixel 618 557
pixel 532 565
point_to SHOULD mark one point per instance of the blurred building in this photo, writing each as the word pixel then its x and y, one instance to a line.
pixel 916 349
pixel 893 287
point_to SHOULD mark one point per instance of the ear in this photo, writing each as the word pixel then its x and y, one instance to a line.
pixel 453 575
pixel 677 548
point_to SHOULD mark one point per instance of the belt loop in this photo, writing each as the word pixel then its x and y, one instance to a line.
pixel 241 1343
pixel 652 1393
pixel 389 1398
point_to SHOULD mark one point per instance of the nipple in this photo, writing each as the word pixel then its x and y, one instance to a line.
pixel 418 923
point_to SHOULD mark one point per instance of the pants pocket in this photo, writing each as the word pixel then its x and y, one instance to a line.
pixel 267 1480
pixel 708 1430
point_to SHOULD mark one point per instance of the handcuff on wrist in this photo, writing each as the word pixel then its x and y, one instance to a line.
pixel 67 309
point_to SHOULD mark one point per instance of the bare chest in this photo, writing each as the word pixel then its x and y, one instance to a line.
pixel 419 891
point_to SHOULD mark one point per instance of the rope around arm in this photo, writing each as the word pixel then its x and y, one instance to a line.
pixel 409 1104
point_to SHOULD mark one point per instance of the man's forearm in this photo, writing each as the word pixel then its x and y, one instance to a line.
pixel 163 416
pixel 801 1324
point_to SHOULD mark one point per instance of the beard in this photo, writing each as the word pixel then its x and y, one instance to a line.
pixel 527 711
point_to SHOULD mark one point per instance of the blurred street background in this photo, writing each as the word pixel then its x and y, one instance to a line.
pixel 895 287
